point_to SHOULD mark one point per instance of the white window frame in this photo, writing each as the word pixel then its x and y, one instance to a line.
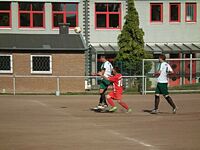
pixel 11 64
pixel 41 72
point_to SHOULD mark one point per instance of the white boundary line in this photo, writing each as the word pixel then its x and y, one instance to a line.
pixel 131 139
pixel 40 103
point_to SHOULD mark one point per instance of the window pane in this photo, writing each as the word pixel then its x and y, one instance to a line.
pixel 24 6
pixel 190 12
pixel 58 7
pixel 37 6
pixel 101 21
pixel 4 6
pixel 114 7
pixel 5 63
pixel 4 19
pixel 58 18
pixel 41 63
pixel 37 20
pixel 114 21
pixel 71 18
pixel 174 13
pixel 71 7
pixel 101 7
pixel 156 13
pixel 25 20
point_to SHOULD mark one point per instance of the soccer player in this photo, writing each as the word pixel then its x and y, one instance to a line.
pixel 106 70
pixel 116 94
pixel 162 82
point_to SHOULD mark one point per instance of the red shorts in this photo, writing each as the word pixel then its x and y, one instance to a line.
pixel 117 96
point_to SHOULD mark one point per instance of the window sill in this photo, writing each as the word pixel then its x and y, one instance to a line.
pixel 100 29
pixel 174 22
pixel 6 72
pixel 156 23
pixel 7 28
pixel 32 29
pixel 191 22
pixel 41 73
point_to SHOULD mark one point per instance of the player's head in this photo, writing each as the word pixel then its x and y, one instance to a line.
pixel 103 58
pixel 162 58
pixel 116 70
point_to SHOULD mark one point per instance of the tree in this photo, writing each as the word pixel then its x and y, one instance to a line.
pixel 131 43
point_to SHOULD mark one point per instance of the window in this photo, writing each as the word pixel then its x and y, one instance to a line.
pixel 65 13
pixel 6 64
pixel 31 15
pixel 41 64
pixel 108 15
pixel 156 12
pixel 190 12
pixel 5 14
pixel 175 12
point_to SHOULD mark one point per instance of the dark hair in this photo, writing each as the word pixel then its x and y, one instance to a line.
pixel 162 56
pixel 103 56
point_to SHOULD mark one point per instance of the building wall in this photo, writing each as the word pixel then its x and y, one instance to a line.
pixel 167 32
pixel 63 64
pixel 105 35
pixel 154 32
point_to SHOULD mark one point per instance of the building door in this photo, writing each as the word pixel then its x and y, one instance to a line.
pixel 187 69
pixel 174 80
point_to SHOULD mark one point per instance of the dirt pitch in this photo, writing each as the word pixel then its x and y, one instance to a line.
pixel 66 123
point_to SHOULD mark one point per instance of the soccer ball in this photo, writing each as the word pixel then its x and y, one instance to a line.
pixel 77 29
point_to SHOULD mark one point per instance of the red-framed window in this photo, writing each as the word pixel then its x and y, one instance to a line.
pixel 156 12
pixel 31 15
pixel 5 14
pixel 190 12
pixel 65 13
pixel 174 12
pixel 108 15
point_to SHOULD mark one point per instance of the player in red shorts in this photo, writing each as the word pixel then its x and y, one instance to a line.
pixel 116 94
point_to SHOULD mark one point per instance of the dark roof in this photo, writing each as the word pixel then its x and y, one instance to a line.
pixel 42 42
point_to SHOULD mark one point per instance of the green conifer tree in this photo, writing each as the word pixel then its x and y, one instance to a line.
pixel 131 43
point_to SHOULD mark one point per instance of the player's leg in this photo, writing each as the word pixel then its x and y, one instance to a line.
pixel 106 83
pixel 170 101
pixel 167 97
pixel 110 98
pixel 124 105
pixel 102 100
pixel 157 99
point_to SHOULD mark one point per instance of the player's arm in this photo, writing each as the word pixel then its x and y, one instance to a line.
pixel 101 73
pixel 158 72
pixel 170 71
pixel 98 73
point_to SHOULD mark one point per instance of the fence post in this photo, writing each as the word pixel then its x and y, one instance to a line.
pixel 14 85
pixel 58 86
pixel 191 68
pixel 145 85
pixel 142 76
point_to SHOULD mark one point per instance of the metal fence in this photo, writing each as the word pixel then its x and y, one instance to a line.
pixel 186 77
pixel 132 84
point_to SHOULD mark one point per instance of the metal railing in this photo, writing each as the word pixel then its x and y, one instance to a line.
pixel 58 82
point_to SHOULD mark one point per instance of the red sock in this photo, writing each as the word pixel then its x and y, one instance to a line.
pixel 110 101
pixel 123 104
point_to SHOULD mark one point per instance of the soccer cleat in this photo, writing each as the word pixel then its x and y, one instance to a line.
pixel 113 109
pixel 102 106
pixel 97 107
pixel 129 110
pixel 154 111
pixel 174 110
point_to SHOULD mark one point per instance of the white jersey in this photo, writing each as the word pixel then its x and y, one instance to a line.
pixel 164 69
pixel 107 66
